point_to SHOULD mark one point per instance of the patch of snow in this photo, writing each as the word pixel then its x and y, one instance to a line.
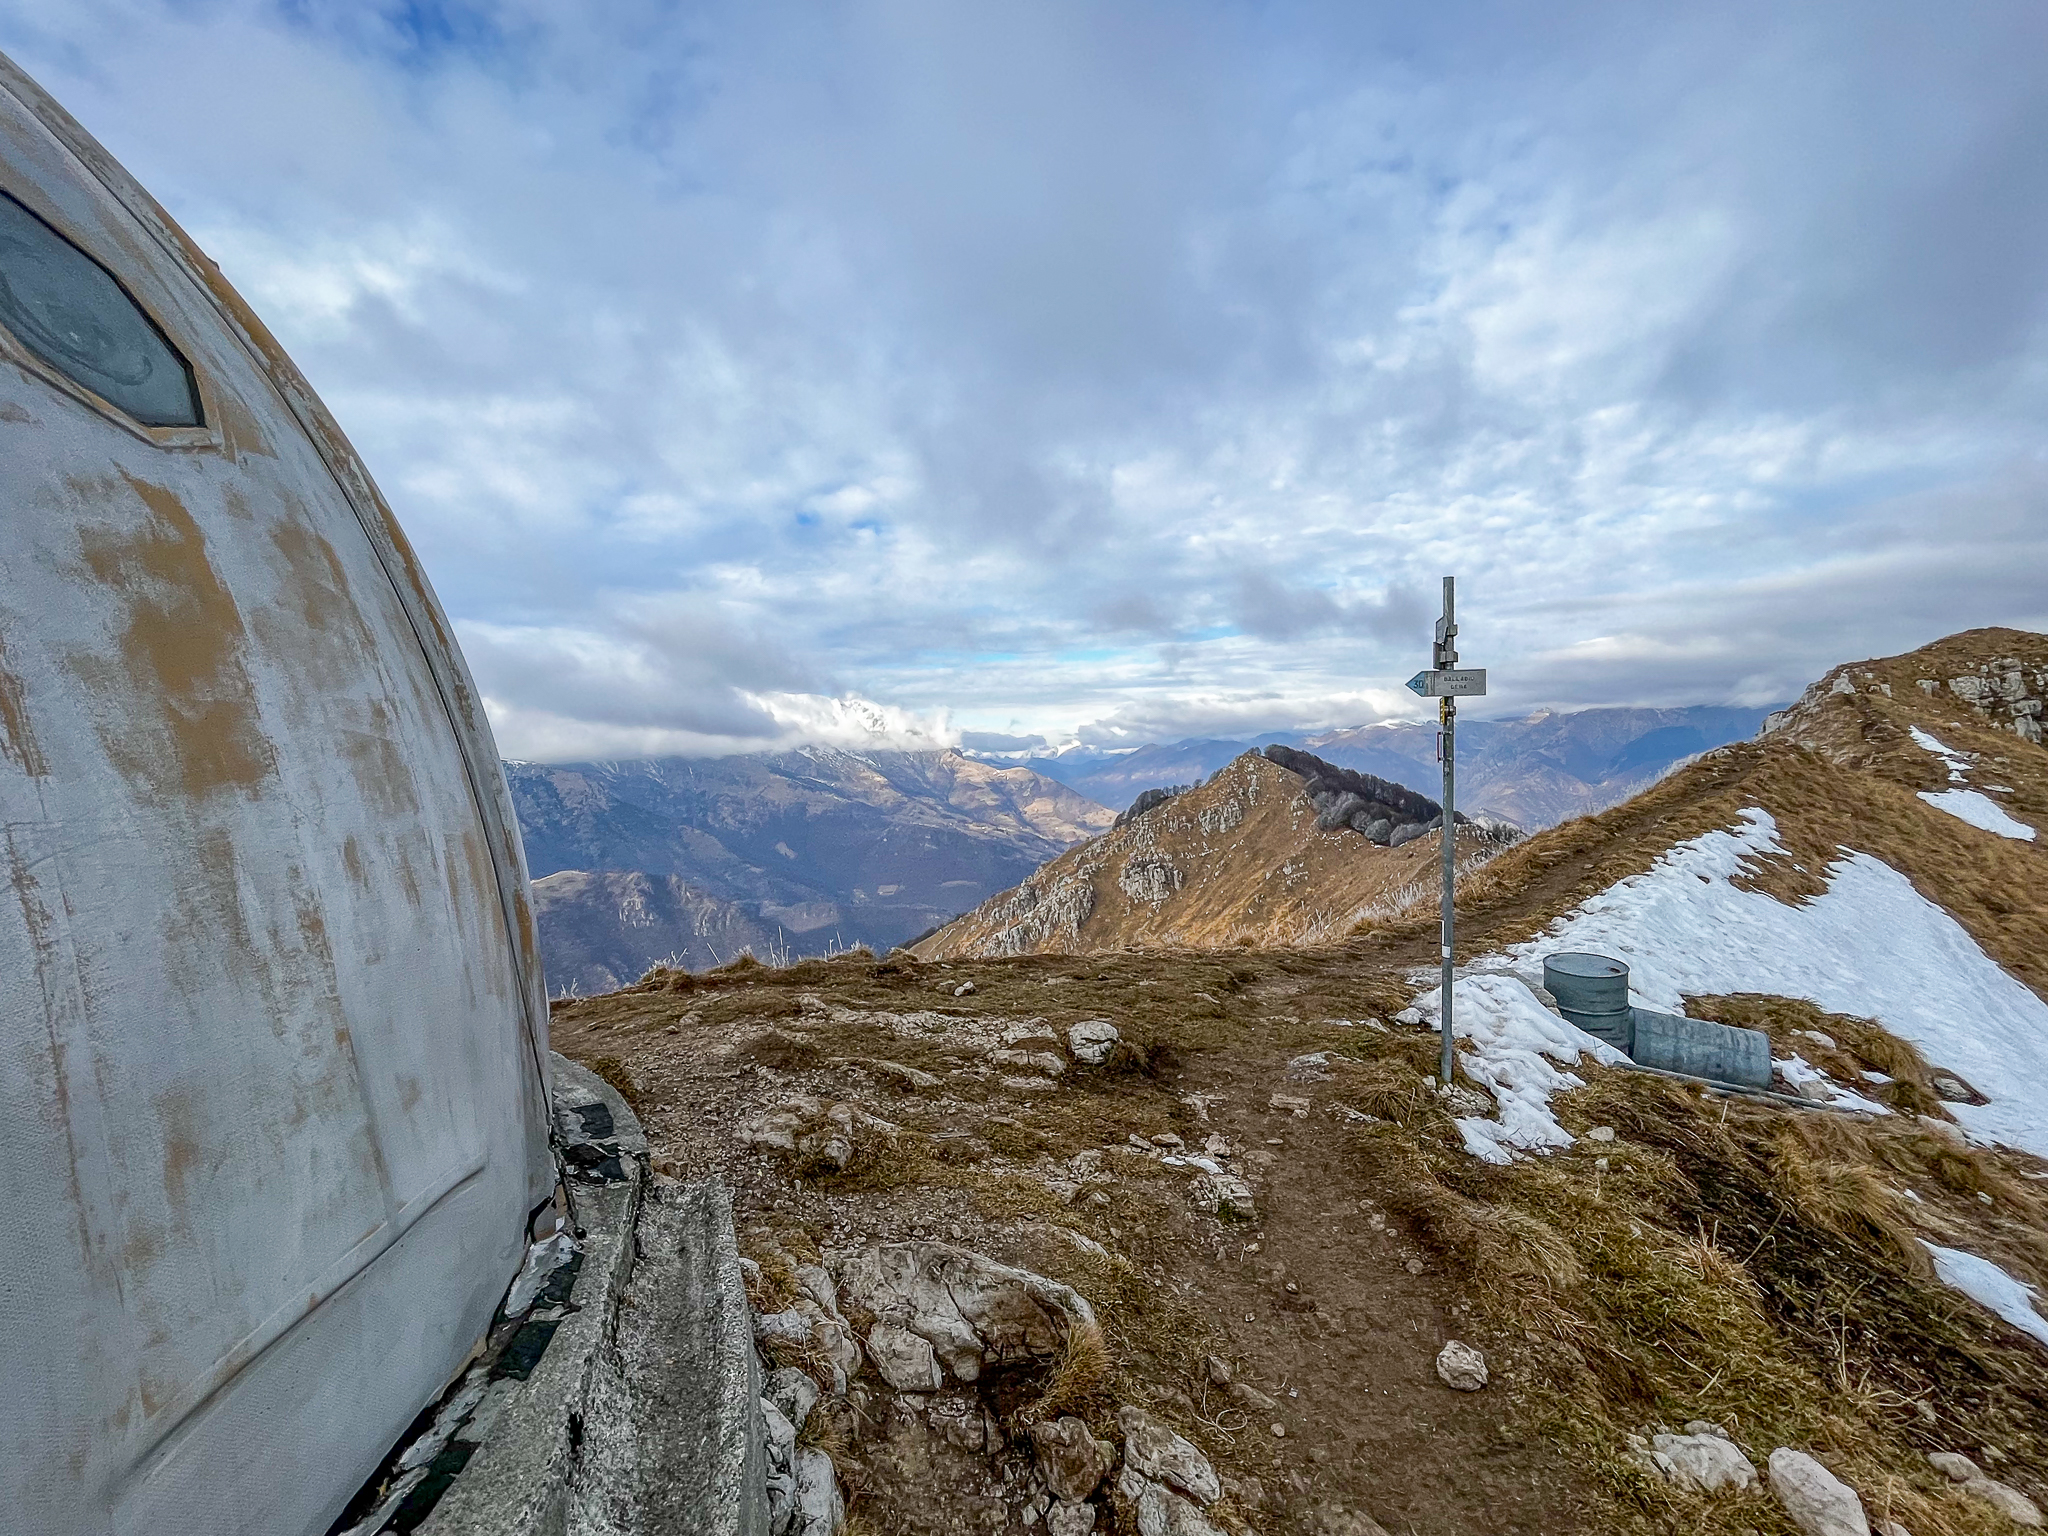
pixel 1870 946
pixel 1988 1285
pixel 1967 804
pixel 1979 811
pixel 1953 760
pixel 1797 1071
pixel 1514 1041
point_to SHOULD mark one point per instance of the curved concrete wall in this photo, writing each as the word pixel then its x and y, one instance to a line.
pixel 271 1015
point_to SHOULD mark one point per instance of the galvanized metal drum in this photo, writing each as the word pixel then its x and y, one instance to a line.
pixel 1725 1053
pixel 1592 992
pixel 271 1018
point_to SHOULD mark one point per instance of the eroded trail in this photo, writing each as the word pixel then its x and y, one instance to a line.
pixel 1295 1346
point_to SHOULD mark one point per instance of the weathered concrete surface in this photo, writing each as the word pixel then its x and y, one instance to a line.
pixel 271 1012
pixel 518 1482
pixel 673 1440
pixel 643 1416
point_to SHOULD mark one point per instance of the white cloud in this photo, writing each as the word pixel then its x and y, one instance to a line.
pixel 1135 368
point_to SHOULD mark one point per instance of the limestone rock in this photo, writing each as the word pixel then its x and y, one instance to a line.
pixel 1460 1101
pixel 1947 1130
pixel 1156 1452
pixel 841 1349
pixel 1312 1068
pixel 1051 1063
pixel 1031 1035
pixel 817 1284
pixel 778 1436
pixel 905 1079
pixel 1290 1103
pixel 1091 1041
pixel 809 1128
pixel 1956 1468
pixel 1225 1195
pixel 965 989
pixel 1065 1519
pixel 906 1361
pixel 1160 1511
pixel 819 1509
pixel 1250 1398
pixel 1070 1459
pixel 957 1419
pixel 973 1311
pixel 2008 1501
pixel 1819 1503
pixel 1461 1367
pixel 794 1393
pixel 1707 1463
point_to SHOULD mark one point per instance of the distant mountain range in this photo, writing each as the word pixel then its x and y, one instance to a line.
pixel 785 854
pixel 802 853
pixel 1534 772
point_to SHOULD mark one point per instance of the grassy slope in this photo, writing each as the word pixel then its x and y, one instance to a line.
pixel 1242 864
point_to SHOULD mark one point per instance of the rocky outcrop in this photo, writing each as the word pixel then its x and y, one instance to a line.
pixel 1387 813
pixel 971 1312
pixel 1819 1502
pixel 1968 1476
pixel 818 1133
pixel 1245 858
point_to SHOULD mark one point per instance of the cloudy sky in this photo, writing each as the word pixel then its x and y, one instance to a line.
pixel 754 373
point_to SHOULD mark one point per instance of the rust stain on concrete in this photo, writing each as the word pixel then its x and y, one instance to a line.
pixel 181 655
pixel 17 736
pixel 239 429
pixel 184 1149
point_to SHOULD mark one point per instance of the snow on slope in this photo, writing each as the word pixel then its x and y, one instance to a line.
pixel 1871 946
pixel 1514 1039
pixel 1979 810
pixel 1985 1283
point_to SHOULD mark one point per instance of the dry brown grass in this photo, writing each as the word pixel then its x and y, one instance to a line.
pixel 615 1072
pixel 1078 1382
pixel 1735 1262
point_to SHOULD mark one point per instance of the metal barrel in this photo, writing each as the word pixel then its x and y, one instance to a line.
pixel 1721 1052
pixel 1592 992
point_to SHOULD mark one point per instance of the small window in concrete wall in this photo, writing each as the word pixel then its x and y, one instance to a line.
pixel 70 313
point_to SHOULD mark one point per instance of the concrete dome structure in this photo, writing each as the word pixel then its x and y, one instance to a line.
pixel 272 1102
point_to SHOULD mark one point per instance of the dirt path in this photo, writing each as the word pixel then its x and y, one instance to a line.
pixel 1323 1304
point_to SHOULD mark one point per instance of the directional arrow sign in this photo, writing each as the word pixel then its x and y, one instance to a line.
pixel 1451 684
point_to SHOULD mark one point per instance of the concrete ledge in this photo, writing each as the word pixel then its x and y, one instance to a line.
pixel 530 1431
pixel 638 1412
pixel 673 1443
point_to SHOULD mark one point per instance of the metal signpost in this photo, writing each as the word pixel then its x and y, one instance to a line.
pixel 1447 683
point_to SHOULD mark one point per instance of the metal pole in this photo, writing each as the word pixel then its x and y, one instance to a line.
pixel 1447 714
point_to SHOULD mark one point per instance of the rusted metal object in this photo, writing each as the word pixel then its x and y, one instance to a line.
pixel 272 1106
